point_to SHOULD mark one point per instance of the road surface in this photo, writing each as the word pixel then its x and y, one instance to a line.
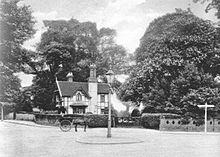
pixel 30 141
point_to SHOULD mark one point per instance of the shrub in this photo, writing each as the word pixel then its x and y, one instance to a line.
pixel 199 122
pixel 151 121
pixel 25 116
pixel 47 118
pixel 135 113
pixel 96 120
pixel 185 120
pixel 148 109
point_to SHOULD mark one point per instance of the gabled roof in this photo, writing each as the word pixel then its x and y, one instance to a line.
pixel 68 89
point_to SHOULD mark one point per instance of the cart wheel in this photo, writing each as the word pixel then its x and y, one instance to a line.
pixel 65 125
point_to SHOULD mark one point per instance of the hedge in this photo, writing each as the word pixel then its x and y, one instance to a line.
pixel 152 120
pixel 47 118
pixel 96 120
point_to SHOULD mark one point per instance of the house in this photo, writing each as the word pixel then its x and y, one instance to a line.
pixel 83 97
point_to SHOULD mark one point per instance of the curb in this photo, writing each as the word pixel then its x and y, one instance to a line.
pixel 190 133
pixel 25 124
pixel 100 140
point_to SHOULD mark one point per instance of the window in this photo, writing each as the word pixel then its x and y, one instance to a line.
pixel 78 97
pixel 102 98
pixel 79 110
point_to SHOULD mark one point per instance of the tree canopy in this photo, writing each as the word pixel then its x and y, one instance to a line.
pixel 71 46
pixel 16 26
pixel 177 58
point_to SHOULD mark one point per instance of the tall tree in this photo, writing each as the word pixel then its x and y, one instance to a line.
pixel 16 26
pixel 64 48
pixel 71 46
pixel 112 53
pixel 176 55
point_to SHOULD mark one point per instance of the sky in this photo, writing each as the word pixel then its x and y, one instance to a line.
pixel 130 18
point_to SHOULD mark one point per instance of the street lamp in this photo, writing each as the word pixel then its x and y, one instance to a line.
pixel 109 75
pixel 2 111
pixel 2 108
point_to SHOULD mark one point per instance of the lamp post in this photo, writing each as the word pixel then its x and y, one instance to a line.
pixel 109 75
pixel 2 111
pixel 2 108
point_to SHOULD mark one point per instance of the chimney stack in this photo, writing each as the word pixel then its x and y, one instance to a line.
pixel 92 77
pixel 70 77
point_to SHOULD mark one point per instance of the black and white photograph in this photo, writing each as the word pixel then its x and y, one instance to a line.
pixel 109 78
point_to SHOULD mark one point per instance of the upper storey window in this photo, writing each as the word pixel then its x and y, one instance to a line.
pixel 78 97
pixel 102 98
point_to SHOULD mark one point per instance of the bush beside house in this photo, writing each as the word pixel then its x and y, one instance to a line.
pixel 135 113
pixel 96 120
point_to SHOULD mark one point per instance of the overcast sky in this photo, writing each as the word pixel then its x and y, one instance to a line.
pixel 130 18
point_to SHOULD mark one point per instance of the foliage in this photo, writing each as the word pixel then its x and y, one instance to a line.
pixel 151 121
pixel 131 90
pixel 47 118
pixel 148 109
pixel 43 91
pixel 15 28
pixel 25 103
pixel 71 46
pixel 185 120
pixel 135 113
pixel 117 57
pixel 9 85
pixel 177 55
pixel 96 120
pixel 63 48
pixel 201 96
pixel 116 85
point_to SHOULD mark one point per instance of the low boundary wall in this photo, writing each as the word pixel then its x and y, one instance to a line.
pixel 166 124
pixel 213 125
pixel 21 116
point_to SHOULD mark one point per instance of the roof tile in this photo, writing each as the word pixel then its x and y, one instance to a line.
pixel 69 88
